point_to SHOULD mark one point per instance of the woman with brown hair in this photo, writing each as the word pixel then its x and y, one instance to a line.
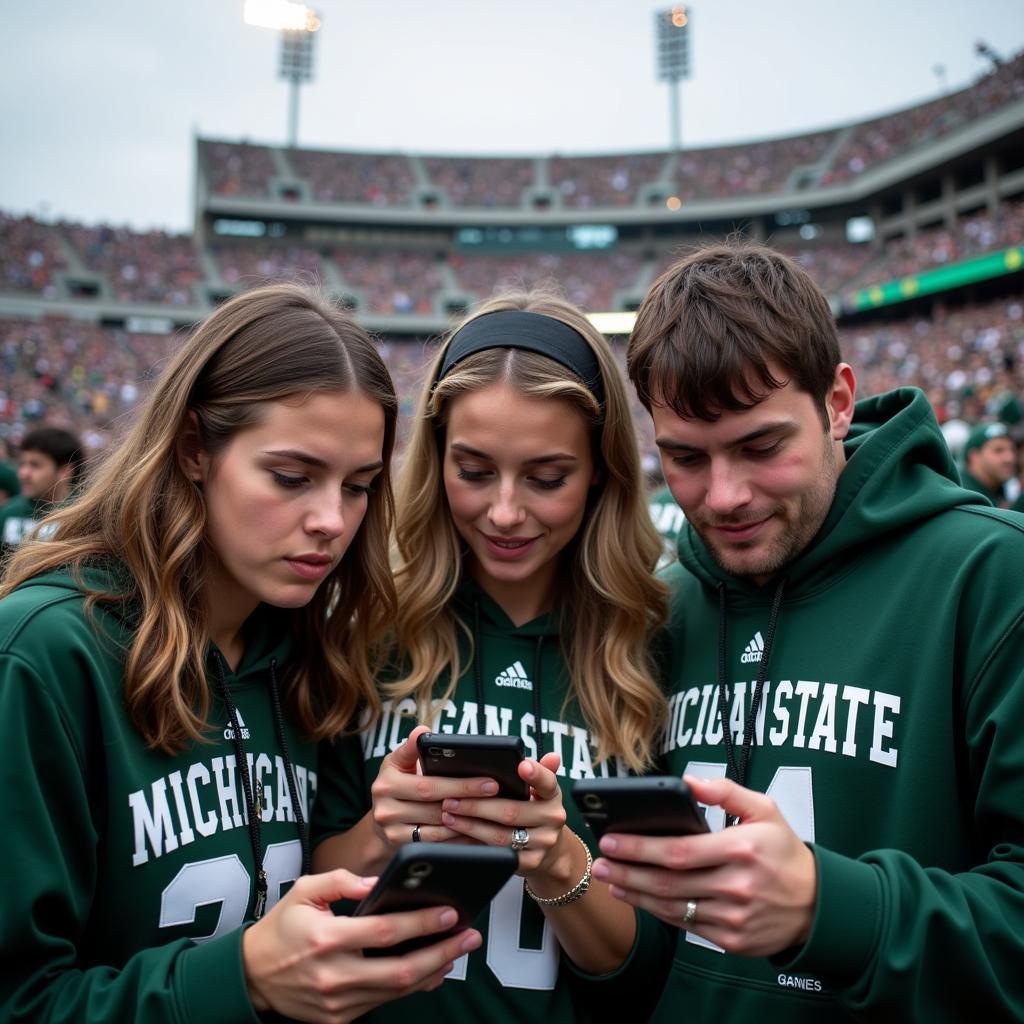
pixel 526 607
pixel 200 617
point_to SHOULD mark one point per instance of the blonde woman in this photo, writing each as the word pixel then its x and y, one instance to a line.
pixel 526 607
pixel 201 617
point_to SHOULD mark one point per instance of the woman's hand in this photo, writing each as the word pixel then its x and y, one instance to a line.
pixel 304 962
pixel 492 821
pixel 403 798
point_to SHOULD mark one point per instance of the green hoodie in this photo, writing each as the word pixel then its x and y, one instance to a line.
pixel 891 735
pixel 129 871
pixel 19 517
pixel 515 975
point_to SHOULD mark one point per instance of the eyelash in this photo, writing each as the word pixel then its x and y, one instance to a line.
pixel 687 461
pixel 476 476
pixel 293 482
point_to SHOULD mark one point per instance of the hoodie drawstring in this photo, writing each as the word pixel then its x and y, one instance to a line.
pixel 734 771
pixel 254 799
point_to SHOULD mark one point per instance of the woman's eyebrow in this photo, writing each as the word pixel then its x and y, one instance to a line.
pixel 552 457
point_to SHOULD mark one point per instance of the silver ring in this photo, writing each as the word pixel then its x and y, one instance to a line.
pixel 520 839
pixel 416 834
pixel 691 912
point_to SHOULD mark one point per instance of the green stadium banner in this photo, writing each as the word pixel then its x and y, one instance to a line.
pixel 941 279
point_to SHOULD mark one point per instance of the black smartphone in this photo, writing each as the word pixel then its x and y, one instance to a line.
pixel 654 805
pixel 434 875
pixel 489 757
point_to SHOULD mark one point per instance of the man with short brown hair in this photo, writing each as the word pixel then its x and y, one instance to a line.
pixel 990 457
pixel 846 676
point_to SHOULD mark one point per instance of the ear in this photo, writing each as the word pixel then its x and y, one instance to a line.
pixel 840 401
pixel 192 458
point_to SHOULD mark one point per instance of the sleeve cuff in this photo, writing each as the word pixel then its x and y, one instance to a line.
pixel 211 982
pixel 847 917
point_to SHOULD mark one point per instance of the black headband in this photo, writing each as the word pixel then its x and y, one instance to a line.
pixel 534 332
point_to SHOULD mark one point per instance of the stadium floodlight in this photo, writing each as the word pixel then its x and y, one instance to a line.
pixel 672 44
pixel 298 25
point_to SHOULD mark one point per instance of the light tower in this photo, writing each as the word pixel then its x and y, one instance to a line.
pixel 298 25
pixel 672 43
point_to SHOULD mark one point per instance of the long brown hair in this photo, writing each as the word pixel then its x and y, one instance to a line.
pixel 614 598
pixel 142 512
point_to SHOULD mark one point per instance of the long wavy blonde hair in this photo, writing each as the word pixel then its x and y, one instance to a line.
pixel 610 602
pixel 142 513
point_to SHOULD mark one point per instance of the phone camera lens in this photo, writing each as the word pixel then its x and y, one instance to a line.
pixel 592 801
pixel 420 869
pixel 434 751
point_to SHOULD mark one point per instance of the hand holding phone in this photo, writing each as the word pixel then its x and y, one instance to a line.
pixel 435 874
pixel 491 757
pixel 652 805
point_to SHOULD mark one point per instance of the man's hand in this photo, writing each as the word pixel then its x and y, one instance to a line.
pixel 754 884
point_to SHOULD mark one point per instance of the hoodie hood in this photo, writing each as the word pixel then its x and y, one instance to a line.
pixel 899 471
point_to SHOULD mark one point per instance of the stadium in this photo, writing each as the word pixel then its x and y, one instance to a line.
pixel 911 222
pixel 335 688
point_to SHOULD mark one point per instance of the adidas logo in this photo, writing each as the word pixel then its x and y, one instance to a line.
pixel 229 732
pixel 515 675
pixel 754 650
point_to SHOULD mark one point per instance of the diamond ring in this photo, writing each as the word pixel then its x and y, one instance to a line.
pixel 520 839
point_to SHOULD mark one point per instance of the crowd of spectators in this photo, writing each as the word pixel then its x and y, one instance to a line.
pixel 73 374
pixel 237 168
pixel 150 266
pixel 30 254
pixel 591 281
pixel 754 168
pixel 611 181
pixel 970 236
pixel 603 181
pixel 159 268
pixel 255 263
pixel 882 138
pixel 391 280
pixel 486 182
pixel 377 179
pixel 970 362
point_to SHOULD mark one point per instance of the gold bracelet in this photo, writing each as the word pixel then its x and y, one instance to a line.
pixel 577 891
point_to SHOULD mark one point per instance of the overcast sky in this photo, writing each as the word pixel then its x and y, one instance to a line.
pixel 99 99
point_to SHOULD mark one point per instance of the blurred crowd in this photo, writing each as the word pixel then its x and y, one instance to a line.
pixel 609 181
pixel 878 140
pixel 62 372
pixel 381 180
pixel 591 281
pixel 159 268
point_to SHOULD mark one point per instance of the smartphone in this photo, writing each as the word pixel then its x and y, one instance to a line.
pixel 489 757
pixel 655 805
pixel 433 875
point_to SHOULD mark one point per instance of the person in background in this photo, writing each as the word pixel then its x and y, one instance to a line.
pixel 50 466
pixel 9 487
pixel 990 461
pixel 200 618
pixel 846 673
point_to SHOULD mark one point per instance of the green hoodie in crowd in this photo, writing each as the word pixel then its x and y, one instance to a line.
pixel 129 871
pixel 518 974
pixel 891 736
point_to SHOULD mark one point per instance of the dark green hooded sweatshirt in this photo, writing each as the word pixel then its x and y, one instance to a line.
pixel 890 734
pixel 129 872
pixel 518 973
